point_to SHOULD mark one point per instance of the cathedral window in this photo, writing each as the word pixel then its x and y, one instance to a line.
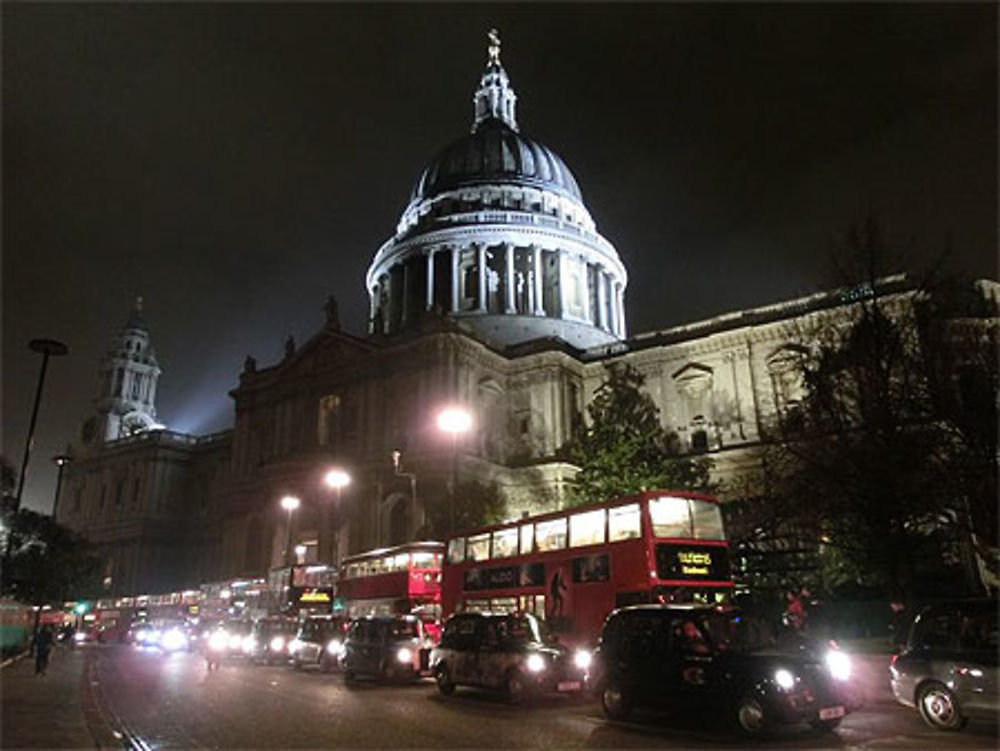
pixel 694 386
pixel 328 423
pixel 787 370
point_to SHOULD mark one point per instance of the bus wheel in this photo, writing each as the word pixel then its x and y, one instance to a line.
pixel 444 684
pixel 615 702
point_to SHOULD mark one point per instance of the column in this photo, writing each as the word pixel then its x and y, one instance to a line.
pixel 480 249
pixel 585 284
pixel 454 278
pixel 508 249
pixel 430 277
pixel 404 280
pixel 561 281
pixel 538 308
pixel 602 298
pixel 375 297
pixel 620 298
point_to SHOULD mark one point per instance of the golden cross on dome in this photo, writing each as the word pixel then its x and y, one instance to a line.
pixel 494 47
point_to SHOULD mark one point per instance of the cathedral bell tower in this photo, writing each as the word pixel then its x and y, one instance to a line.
pixel 125 404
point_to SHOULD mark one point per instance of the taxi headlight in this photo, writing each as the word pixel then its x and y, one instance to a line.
pixel 535 663
pixel 334 647
pixel 249 644
pixel 294 645
pixel 79 636
pixel 582 659
pixel 236 641
pixel 784 679
pixel 141 635
pixel 405 654
pixel 277 644
pixel 218 640
pixel 839 664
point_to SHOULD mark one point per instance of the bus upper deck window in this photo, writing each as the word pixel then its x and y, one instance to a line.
pixel 478 547
pixel 707 521
pixel 423 560
pixel 527 539
pixel 670 517
pixel 551 535
pixel 456 550
pixel 505 543
pixel 623 523
pixel 586 528
pixel 401 562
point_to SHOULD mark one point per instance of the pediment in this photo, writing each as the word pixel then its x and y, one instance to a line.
pixel 692 372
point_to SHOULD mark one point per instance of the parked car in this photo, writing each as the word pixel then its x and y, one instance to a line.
pixel 512 653
pixel 708 659
pixel 319 642
pixel 948 666
pixel 268 639
pixel 386 647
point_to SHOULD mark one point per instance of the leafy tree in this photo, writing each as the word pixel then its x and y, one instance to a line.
pixel 886 464
pixel 47 563
pixel 476 504
pixel 624 449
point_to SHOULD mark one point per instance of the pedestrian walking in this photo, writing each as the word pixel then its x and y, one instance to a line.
pixel 42 645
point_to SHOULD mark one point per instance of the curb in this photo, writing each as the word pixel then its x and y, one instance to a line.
pixel 15 658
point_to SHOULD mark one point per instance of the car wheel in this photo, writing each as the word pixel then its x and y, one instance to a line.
pixel 444 683
pixel 825 725
pixel 615 701
pixel 939 707
pixel 750 716
pixel 515 687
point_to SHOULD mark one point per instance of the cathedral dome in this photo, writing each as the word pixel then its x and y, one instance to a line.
pixel 496 153
pixel 496 235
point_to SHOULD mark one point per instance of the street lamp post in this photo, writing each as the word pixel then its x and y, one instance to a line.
pixel 455 421
pixel 61 461
pixel 289 503
pixel 47 348
pixel 337 479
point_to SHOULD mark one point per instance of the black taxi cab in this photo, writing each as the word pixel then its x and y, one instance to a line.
pixel 510 652
pixel 710 660
pixel 387 647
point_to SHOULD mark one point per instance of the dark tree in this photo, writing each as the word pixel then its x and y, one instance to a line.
pixel 889 462
pixel 624 449
pixel 47 563
pixel 476 504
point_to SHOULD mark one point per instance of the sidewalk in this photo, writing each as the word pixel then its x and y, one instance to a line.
pixel 44 711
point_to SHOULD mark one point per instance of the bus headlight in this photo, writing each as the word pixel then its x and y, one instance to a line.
pixel 839 664
pixel 784 679
pixel 277 644
pixel 582 659
pixel 535 663
pixel 335 647
pixel 405 654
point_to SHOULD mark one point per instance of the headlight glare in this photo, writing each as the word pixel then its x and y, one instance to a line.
pixel 174 639
pixel 334 647
pixel 839 664
pixel 582 659
pixel 784 679
pixel 277 644
pixel 405 654
pixel 535 663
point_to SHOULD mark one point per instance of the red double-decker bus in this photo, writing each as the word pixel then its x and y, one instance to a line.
pixel 401 579
pixel 573 567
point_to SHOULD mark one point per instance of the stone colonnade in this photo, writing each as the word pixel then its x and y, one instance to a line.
pixel 499 279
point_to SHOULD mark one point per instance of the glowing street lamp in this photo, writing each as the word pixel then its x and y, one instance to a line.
pixel 337 479
pixel 289 503
pixel 454 421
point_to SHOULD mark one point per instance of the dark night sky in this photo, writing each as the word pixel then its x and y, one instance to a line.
pixel 237 163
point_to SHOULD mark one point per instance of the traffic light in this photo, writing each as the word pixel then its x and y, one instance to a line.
pixel 81 608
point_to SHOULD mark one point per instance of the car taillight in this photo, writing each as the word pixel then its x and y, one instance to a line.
pixel 892 660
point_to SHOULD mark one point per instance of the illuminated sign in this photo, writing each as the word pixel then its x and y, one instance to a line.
pixel 674 561
pixel 314 595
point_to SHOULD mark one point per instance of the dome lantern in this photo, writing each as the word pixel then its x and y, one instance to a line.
pixel 495 99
